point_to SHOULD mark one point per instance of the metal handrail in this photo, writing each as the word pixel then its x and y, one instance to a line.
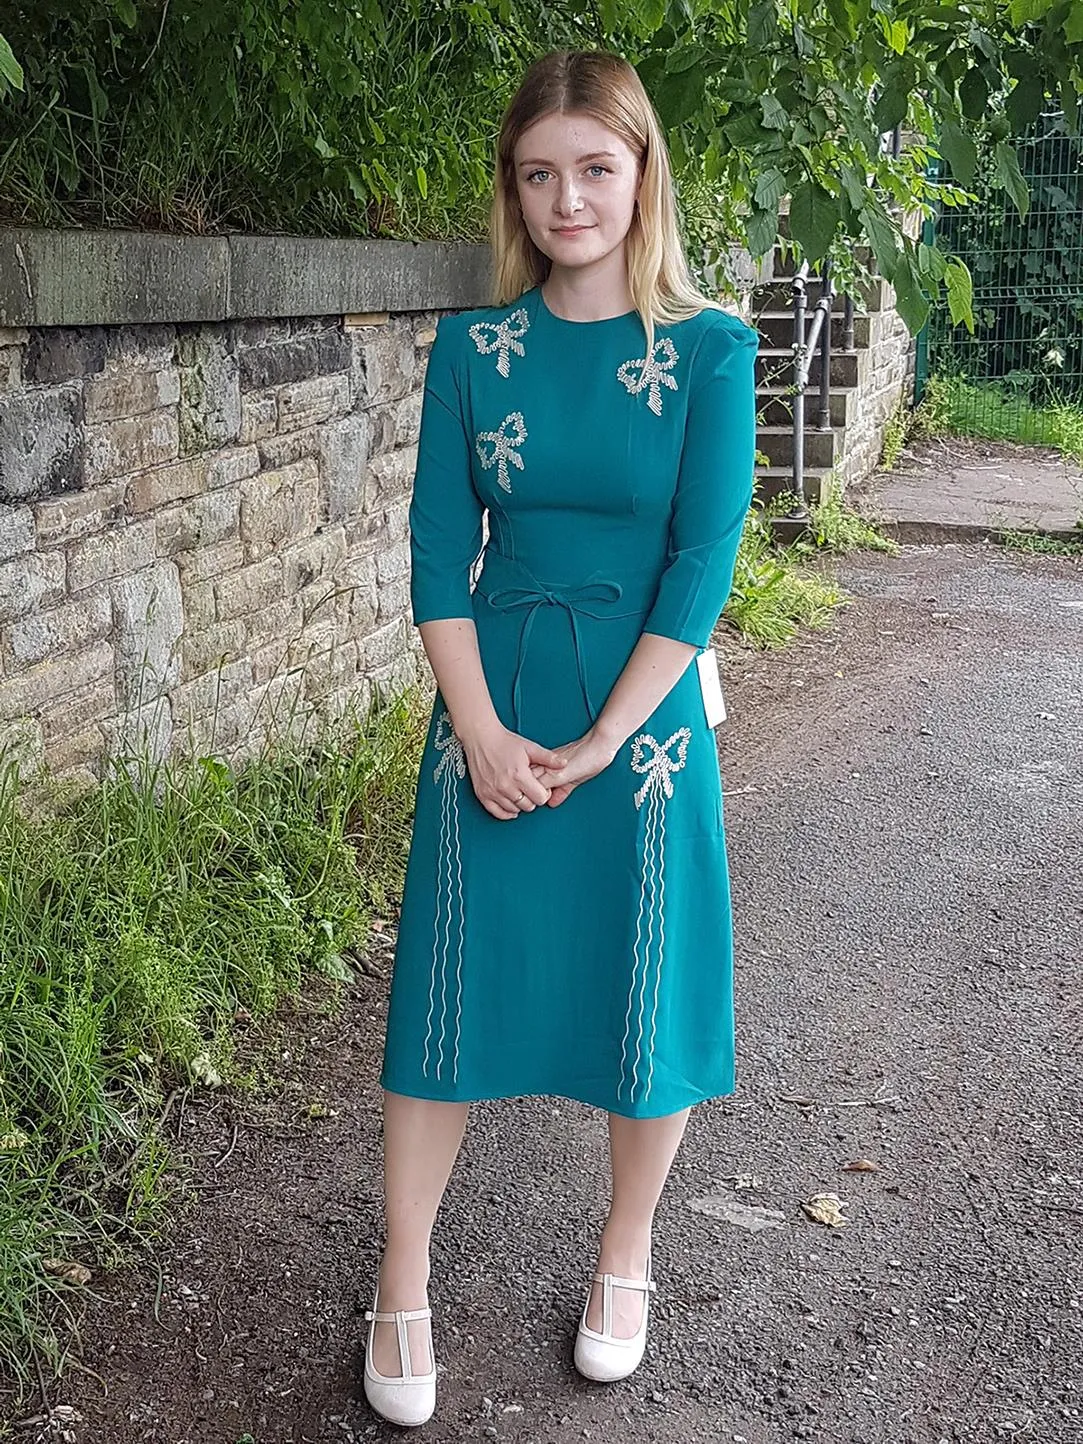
pixel 808 335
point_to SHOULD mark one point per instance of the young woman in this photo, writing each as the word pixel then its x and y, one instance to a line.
pixel 565 924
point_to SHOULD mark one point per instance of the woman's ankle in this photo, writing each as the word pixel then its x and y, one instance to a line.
pixel 626 1247
pixel 404 1272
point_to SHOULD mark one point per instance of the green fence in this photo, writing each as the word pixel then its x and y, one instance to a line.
pixel 1020 375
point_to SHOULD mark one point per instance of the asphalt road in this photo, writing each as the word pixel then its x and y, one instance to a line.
pixel 904 808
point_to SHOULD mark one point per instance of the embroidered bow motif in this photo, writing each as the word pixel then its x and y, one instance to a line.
pixel 503 444
pixel 447 742
pixel 651 372
pixel 659 765
pixel 504 338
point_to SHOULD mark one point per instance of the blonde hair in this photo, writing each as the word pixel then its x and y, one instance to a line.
pixel 604 86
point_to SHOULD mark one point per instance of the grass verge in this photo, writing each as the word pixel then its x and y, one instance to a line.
pixel 138 921
pixel 960 408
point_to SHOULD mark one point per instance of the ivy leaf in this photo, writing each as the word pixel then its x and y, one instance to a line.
pixel 856 185
pixel 774 112
pixel 1073 32
pixel 1025 102
pixel 813 217
pixel 1023 11
pixel 931 265
pixel 892 104
pixel 896 33
pixel 910 302
pixel 422 181
pixel 762 25
pixel 651 13
pixel 1009 176
pixel 882 237
pixel 126 12
pixel 679 96
pixel 761 229
pixel 959 151
pixel 960 292
pixel 974 94
pixel 770 187
pixel 610 14
pixel 683 58
pixel 10 69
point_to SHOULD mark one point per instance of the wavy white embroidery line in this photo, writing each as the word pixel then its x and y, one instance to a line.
pixel 504 447
pixel 651 373
pixel 659 766
pixel 449 897
pixel 504 337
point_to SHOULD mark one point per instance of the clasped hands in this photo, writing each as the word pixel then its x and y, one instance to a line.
pixel 512 774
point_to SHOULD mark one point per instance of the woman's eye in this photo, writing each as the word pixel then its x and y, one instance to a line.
pixel 534 175
pixel 598 170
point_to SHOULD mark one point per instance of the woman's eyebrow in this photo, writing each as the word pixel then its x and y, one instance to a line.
pixel 591 155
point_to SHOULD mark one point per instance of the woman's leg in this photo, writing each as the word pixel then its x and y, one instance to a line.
pixel 421 1143
pixel 641 1152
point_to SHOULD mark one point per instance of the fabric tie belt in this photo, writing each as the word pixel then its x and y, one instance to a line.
pixel 596 598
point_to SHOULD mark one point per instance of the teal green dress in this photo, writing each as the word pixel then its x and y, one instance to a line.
pixel 583 950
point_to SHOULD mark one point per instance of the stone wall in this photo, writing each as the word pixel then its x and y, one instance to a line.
pixel 885 378
pixel 203 528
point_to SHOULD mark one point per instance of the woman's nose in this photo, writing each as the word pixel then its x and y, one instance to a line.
pixel 569 200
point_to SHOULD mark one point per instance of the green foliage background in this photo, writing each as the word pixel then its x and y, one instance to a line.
pixel 377 117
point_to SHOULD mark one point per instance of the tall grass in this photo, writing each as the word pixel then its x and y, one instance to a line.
pixel 137 922
pixel 961 408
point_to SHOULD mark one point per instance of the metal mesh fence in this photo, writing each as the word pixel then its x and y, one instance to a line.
pixel 1020 374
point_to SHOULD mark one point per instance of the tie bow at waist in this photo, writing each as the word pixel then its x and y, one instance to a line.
pixel 598 598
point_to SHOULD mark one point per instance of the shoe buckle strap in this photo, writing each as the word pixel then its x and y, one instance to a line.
pixel 404 1346
pixel 408 1314
pixel 644 1285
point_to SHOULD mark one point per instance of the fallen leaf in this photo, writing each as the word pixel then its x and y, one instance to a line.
pixel 825 1208
pixel 861 1165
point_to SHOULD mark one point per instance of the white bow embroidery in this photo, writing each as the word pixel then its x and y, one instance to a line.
pixel 503 443
pixel 659 765
pixel 447 742
pixel 504 338
pixel 651 371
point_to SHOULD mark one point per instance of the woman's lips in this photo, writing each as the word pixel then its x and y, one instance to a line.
pixel 571 230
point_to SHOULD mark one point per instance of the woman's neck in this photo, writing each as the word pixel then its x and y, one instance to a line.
pixel 589 293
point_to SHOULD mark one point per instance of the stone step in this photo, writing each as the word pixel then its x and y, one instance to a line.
pixel 771 481
pixel 776 328
pixel 774 406
pixel 778 296
pixel 774 368
pixel 822 448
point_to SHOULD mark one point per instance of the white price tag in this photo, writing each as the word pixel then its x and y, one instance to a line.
pixel 710 686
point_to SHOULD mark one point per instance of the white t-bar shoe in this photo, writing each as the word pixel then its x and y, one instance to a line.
pixel 601 1356
pixel 410 1398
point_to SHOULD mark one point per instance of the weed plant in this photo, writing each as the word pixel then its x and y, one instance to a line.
pixel 138 920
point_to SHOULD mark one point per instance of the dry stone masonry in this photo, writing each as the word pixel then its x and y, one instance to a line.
pixel 203 529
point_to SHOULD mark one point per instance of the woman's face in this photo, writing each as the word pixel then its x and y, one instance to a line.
pixel 577 184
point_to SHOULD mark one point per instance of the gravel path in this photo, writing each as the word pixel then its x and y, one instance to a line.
pixel 904 804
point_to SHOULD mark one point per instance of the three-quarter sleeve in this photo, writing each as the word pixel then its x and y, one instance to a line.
pixel 714 486
pixel 445 510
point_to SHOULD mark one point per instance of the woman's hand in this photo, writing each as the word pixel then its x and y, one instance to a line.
pixel 585 759
pixel 500 764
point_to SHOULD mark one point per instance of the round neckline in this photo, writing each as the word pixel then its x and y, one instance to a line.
pixel 566 321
